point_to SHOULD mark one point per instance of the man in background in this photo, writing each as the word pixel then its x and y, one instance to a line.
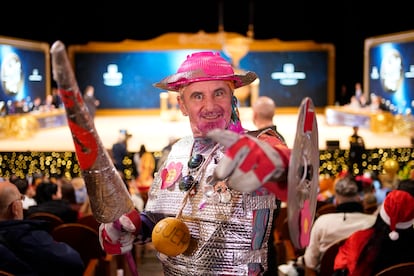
pixel 264 109
pixel 120 150
pixel 356 150
pixel 90 100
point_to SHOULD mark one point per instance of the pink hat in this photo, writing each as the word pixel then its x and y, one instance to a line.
pixel 398 211
pixel 204 66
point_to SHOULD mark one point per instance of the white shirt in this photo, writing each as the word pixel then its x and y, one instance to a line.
pixel 28 201
pixel 330 228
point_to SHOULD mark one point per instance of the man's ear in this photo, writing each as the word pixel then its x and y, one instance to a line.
pixel 182 106
pixel 15 210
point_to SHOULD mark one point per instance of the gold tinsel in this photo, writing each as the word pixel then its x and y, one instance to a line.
pixel 19 126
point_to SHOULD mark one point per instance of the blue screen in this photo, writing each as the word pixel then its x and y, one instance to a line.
pixel 22 73
pixel 391 74
pixel 286 76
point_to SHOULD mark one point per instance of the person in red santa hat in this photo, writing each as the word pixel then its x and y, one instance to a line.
pixel 388 242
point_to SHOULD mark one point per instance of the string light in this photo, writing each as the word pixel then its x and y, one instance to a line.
pixel 65 164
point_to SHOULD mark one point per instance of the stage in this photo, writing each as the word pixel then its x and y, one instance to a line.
pixel 154 131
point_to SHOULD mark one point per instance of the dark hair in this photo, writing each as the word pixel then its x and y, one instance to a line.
pixel 45 192
pixel 68 192
pixel 21 183
pixel 406 185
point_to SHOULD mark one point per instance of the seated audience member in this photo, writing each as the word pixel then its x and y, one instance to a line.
pixel 332 227
pixel 326 191
pixel 370 203
pixel 388 242
pixel 23 186
pixel 68 191
pixel 26 248
pixel 85 209
pixel 49 199
pixel 406 185
pixel 81 193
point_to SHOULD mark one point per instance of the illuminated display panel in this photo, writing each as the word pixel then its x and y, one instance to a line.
pixel 389 70
pixel 24 69
pixel 123 74
pixel 290 75
pixel 123 80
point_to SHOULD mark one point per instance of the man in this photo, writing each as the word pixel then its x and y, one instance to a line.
pixel 263 112
pixel 120 150
pixel 332 227
pixel 90 100
pixel 222 183
pixel 26 248
pixel 356 149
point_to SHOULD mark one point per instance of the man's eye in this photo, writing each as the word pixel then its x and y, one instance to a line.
pixel 198 96
pixel 219 93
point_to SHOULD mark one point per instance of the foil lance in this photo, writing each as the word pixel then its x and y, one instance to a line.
pixel 108 194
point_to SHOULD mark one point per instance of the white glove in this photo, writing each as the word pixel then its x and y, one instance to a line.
pixel 118 237
pixel 248 162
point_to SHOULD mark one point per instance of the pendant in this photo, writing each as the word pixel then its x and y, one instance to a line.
pixel 222 192
pixel 187 182
pixel 219 192
pixel 195 161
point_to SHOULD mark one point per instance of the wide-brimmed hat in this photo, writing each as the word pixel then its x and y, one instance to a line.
pixel 204 66
pixel 397 211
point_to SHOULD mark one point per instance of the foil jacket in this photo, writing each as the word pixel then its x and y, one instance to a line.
pixel 227 238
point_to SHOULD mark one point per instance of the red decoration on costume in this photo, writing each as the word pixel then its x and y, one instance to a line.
pixel 85 144
pixel 263 165
pixel 170 174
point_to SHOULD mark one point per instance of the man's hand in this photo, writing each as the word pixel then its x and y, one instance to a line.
pixel 118 237
pixel 248 163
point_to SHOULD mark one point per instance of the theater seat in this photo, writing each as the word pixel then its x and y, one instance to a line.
pixel 85 240
pixel 403 269
pixel 52 219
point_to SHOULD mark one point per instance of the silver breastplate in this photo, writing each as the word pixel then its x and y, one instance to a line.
pixel 229 232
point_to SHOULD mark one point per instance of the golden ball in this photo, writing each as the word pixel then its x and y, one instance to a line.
pixel 171 236
pixel 391 166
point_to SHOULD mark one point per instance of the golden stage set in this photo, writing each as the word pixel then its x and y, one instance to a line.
pixel 155 130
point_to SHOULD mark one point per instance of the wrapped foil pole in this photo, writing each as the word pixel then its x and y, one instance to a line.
pixel 108 194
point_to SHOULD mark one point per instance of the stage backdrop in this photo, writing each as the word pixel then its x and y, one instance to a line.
pixel 124 73
pixel 389 70
pixel 24 71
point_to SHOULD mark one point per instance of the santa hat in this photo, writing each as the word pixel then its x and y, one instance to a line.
pixel 398 211
pixel 365 180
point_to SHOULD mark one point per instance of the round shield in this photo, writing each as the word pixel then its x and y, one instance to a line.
pixel 303 176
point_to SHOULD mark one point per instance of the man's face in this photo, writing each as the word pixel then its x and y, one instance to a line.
pixel 207 104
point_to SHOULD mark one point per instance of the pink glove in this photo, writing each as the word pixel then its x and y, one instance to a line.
pixel 248 162
pixel 118 237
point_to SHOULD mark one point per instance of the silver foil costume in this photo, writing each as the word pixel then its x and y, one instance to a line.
pixel 229 229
